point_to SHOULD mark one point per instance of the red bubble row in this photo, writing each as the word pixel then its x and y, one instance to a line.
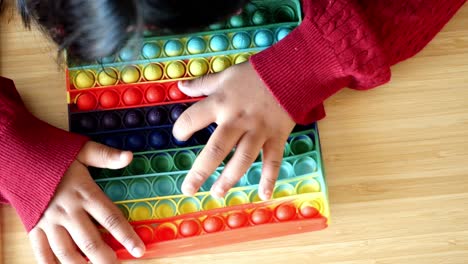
pixel 127 96
pixel 206 224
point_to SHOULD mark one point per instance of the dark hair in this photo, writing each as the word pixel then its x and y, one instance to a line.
pixel 90 29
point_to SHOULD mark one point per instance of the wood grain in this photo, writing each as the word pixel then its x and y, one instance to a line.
pixel 396 159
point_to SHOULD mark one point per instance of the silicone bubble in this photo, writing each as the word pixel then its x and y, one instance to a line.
pixel 213 224
pixel 139 165
pixel 175 69
pixel 166 231
pixel 260 17
pixel 156 116
pixel 261 216
pixel 183 160
pixel 164 186
pixel 236 198
pixel 116 190
pixel 173 48
pixel 241 58
pixel 135 142
pixel 196 45
pixel 282 33
pixel 153 72
pixel 254 174
pixel 128 54
pixel 190 227
pixel 109 99
pixel 175 94
pixel 241 40
pixel 285 14
pixel 141 211
pixel 130 74
pixel 263 38
pixel 283 190
pixel 134 118
pixel 151 50
pixel 188 205
pixel 110 120
pixel 220 63
pixel 198 67
pixel 236 220
pixel 162 162
pixel 140 188
pixel 301 144
pixel 159 139
pixel 84 79
pixel 308 186
pixel 165 208
pixel 237 21
pixel 146 233
pixel 219 43
pixel 107 77
pixel 285 212
pixel 209 202
pixel 304 166
pixel 155 94
pixel 86 101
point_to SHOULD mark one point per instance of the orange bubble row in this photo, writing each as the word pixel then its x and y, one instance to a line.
pixel 206 223
pixel 126 96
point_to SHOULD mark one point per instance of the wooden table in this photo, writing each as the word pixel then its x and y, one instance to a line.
pixel 396 159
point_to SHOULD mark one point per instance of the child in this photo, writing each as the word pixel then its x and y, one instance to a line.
pixel 340 43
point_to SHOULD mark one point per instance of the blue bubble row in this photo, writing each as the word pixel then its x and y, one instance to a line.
pixel 151 139
pixel 202 45
pixel 94 123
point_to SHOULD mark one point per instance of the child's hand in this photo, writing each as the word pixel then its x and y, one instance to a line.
pixel 248 117
pixel 68 221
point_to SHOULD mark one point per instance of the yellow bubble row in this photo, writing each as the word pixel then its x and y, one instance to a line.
pixel 172 70
pixel 164 209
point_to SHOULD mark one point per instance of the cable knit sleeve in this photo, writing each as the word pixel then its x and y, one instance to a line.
pixel 33 156
pixel 346 43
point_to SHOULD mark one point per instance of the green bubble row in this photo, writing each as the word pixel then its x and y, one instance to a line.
pixel 181 160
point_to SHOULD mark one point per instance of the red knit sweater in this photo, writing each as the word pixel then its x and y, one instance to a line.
pixel 340 43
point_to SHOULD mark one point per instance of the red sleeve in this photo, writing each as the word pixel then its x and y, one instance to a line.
pixel 33 156
pixel 346 43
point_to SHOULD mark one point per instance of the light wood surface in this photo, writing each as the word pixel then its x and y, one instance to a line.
pixel 396 160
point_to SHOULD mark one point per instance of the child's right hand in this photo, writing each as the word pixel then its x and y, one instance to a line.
pixel 67 222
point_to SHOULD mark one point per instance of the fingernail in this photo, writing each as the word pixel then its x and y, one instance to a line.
pixel 183 83
pixel 188 190
pixel 217 191
pixel 138 252
pixel 266 195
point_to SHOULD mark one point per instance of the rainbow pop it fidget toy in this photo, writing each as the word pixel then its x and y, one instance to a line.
pixel 131 100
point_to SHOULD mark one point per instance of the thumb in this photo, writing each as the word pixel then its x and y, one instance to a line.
pixel 202 86
pixel 101 156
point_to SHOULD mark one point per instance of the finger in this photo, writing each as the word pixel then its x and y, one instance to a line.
pixel 246 153
pixel 196 117
pixel 101 156
pixel 218 147
pixel 201 86
pixel 111 218
pixel 63 246
pixel 272 157
pixel 40 246
pixel 89 240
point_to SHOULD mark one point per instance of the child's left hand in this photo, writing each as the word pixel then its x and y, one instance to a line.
pixel 248 118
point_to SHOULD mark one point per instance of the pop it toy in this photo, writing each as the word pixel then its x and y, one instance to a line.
pixel 130 100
